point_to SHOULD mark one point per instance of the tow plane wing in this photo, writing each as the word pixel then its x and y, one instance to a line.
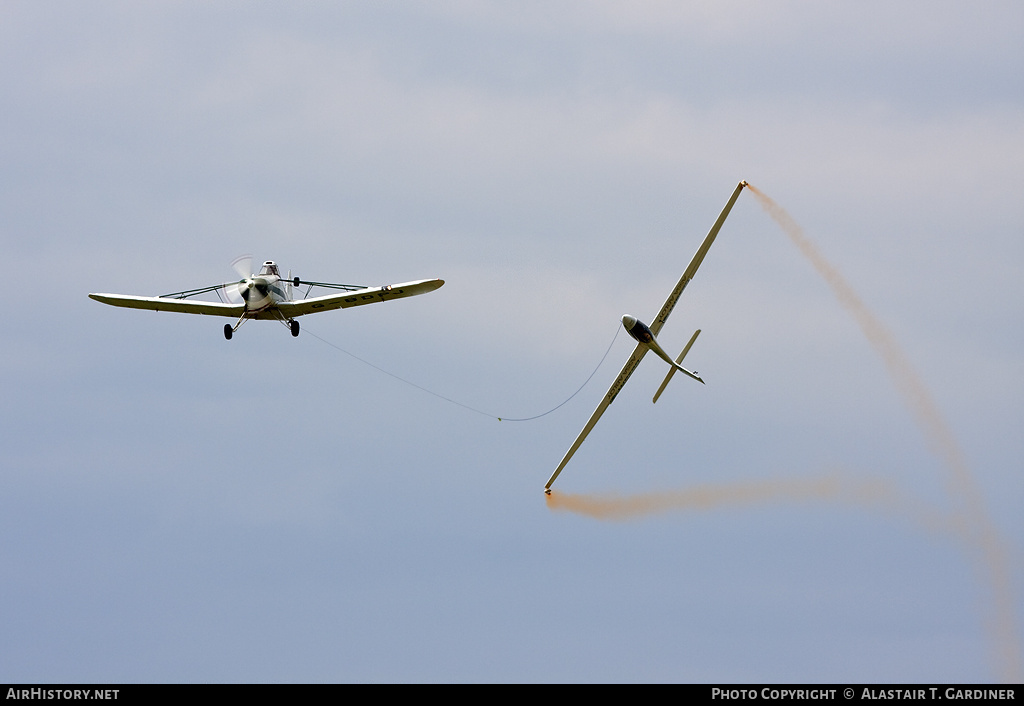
pixel 290 309
pixel 182 306
pixel 299 307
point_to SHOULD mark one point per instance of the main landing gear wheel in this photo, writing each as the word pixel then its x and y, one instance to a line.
pixel 227 331
pixel 294 326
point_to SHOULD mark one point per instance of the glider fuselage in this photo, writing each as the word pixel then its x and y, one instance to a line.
pixel 642 333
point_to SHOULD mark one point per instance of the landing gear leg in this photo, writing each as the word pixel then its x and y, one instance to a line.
pixel 294 326
pixel 229 329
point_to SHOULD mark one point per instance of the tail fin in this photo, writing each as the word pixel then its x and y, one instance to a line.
pixel 672 370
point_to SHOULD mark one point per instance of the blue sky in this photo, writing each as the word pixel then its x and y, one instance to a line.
pixel 177 507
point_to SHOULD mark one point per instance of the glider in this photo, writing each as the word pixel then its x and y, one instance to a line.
pixel 646 340
pixel 265 295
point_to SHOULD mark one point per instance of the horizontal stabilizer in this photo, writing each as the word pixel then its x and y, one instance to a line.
pixel 672 371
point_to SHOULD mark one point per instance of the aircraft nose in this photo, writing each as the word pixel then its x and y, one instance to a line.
pixel 628 321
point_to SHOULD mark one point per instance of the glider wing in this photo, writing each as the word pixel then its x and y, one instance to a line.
pixel 627 370
pixel 691 269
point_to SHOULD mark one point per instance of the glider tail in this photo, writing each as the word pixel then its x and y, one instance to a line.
pixel 672 370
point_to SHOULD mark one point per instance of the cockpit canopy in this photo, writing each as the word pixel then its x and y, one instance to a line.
pixel 270 268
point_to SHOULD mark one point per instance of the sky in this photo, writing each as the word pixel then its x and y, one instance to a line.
pixel 181 508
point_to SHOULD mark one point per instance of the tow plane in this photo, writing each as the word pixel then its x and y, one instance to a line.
pixel 645 337
pixel 266 295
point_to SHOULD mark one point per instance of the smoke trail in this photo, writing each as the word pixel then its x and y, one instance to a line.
pixel 711 496
pixel 872 493
pixel 978 529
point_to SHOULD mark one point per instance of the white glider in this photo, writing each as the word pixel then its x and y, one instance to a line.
pixel 647 341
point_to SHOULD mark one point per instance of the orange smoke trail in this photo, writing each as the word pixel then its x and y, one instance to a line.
pixel 875 494
pixel 709 497
pixel 978 528
pixel 907 381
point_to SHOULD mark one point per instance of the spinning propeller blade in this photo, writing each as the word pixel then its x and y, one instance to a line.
pixel 243 266
pixel 233 292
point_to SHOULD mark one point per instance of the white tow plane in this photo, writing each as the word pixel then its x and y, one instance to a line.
pixel 265 295
pixel 646 341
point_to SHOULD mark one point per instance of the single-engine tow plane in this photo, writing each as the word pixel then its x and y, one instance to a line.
pixel 646 341
pixel 266 295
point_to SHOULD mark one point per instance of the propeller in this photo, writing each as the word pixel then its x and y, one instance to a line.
pixel 259 284
pixel 250 285
pixel 236 293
